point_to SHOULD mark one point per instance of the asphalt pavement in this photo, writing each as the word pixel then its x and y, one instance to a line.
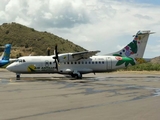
pixel 104 96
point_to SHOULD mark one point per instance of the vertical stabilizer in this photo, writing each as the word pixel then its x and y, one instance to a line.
pixel 136 48
pixel 7 51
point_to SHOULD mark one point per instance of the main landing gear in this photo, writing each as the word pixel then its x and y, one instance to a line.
pixel 76 75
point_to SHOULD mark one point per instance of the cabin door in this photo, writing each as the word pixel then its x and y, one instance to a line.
pixel 109 63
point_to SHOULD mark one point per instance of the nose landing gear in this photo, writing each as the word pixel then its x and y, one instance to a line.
pixel 17 76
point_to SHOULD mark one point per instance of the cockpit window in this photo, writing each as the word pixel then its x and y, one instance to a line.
pixel 20 60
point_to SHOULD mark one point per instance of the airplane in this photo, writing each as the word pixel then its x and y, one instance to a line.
pixel 5 57
pixel 79 63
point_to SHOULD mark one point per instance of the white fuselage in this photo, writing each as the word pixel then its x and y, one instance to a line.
pixel 46 64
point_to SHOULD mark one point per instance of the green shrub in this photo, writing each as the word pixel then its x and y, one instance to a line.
pixel 144 66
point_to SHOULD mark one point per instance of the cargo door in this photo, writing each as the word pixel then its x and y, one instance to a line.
pixel 109 63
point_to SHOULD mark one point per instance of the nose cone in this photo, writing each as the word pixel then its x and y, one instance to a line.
pixel 11 68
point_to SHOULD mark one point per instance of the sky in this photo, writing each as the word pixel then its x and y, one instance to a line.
pixel 105 25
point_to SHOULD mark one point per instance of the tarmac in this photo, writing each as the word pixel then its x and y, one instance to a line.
pixel 104 96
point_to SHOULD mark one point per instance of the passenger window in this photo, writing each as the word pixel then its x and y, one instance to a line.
pixel 75 62
pixel 82 62
pixel 78 62
pixel 67 62
pixel 102 62
pixel 99 62
pixel 92 62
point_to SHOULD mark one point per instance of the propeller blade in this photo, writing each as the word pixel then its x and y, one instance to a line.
pixel 56 56
pixel 56 53
pixel 56 64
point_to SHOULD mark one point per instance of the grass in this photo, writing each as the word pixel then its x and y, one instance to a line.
pixel 144 67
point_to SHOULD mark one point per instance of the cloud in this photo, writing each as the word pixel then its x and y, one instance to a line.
pixel 49 13
pixel 143 16
pixel 92 24
pixel 60 14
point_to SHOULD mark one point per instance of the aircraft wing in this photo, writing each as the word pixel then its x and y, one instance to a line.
pixel 84 54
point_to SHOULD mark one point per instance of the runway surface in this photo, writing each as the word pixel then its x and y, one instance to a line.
pixel 105 96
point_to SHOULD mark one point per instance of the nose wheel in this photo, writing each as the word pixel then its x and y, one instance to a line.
pixel 17 76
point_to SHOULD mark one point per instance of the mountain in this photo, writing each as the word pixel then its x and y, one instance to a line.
pixel 156 60
pixel 27 41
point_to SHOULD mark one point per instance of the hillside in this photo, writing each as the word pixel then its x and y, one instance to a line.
pixel 156 60
pixel 27 41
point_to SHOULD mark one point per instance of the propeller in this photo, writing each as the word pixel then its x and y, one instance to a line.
pixel 56 57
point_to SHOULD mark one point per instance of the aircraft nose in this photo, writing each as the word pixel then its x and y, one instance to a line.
pixel 10 68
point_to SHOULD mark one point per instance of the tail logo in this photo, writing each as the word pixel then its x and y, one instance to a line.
pixel 134 49
pixel 131 48
pixel 124 60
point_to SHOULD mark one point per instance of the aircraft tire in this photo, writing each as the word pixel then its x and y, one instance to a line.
pixel 73 75
pixel 78 76
pixel 17 77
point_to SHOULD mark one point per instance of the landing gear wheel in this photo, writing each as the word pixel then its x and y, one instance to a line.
pixel 73 75
pixel 77 76
pixel 18 77
pixel 80 76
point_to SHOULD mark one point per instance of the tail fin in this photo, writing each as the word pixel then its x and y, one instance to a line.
pixel 6 53
pixel 136 48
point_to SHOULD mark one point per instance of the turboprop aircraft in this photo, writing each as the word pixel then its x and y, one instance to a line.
pixel 78 63
pixel 5 57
